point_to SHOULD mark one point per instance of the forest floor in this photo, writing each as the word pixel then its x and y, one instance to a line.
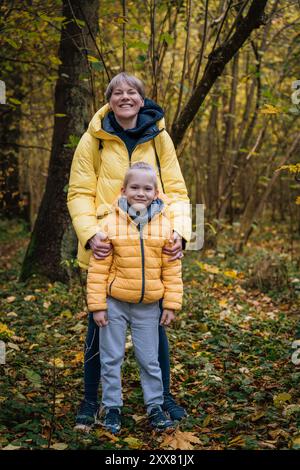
pixel 231 354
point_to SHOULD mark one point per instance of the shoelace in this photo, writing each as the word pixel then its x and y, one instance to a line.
pixel 170 403
pixel 157 416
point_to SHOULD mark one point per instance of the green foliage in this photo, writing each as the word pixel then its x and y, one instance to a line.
pixel 230 360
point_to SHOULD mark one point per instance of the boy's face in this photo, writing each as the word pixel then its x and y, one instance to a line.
pixel 140 190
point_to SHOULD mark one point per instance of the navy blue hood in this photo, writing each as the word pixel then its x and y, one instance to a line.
pixel 148 116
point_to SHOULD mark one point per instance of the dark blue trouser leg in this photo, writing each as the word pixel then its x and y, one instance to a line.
pixel 163 355
pixel 92 362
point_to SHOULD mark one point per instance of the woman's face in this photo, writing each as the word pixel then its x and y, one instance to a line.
pixel 125 101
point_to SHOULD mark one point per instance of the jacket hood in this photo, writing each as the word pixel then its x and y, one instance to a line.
pixel 141 217
pixel 150 119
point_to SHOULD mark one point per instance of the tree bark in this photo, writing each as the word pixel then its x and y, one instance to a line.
pixel 215 66
pixel 52 232
pixel 10 117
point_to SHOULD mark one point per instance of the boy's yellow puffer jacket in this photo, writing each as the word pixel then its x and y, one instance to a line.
pixel 137 271
pixel 96 179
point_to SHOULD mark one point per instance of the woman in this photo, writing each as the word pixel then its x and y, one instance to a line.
pixel 129 128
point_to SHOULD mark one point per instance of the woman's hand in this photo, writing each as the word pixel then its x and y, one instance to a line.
pixel 100 248
pixel 100 318
pixel 174 251
pixel 167 317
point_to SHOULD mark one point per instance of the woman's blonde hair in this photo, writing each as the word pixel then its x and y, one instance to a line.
pixel 129 79
pixel 140 166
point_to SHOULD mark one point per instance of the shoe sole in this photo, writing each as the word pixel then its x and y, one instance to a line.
pixel 177 421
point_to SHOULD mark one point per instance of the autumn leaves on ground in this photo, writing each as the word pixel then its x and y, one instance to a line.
pixel 232 348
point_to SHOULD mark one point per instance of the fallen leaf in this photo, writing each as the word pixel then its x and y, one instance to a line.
pixel 11 447
pixel 30 298
pixel 280 399
pixel 59 446
pixel 181 440
pixel 57 362
pixel 78 358
pixel 237 441
pixel 138 418
pixel 295 444
pixel 12 314
pixel 10 299
pixel 257 416
pixel 13 346
pixel 102 433
pixel 133 442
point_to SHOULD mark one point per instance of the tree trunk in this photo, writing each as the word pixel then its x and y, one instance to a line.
pixel 10 116
pixel 52 233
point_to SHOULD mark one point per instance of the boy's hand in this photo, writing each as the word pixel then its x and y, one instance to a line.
pixel 100 318
pixel 167 317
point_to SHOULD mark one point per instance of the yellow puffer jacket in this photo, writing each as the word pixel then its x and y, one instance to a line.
pixel 96 179
pixel 137 271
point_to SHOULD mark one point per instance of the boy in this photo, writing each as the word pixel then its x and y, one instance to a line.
pixel 125 288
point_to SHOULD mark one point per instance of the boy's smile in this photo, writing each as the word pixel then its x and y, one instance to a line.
pixel 140 190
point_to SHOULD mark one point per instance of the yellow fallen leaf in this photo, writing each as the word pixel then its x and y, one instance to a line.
pixel 133 442
pixel 46 304
pixel 181 440
pixel 281 398
pixel 30 298
pixel 78 358
pixel 10 299
pixel 237 441
pixel 295 444
pixel 206 421
pixel 59 446
pixel 102 433
pixel 57 362
pixel 231 273
pixel 257 416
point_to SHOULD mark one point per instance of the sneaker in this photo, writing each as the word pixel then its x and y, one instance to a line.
pixel 86 416
pixel 173 410
pixel 112 420
pixel 159 420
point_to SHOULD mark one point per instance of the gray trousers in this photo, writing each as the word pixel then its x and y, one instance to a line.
pixel 143 320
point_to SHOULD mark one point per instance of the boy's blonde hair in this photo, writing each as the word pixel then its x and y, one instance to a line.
pixel 140 166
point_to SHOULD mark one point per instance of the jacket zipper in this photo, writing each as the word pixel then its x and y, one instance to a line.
pixel 143 265
pixel 110 285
